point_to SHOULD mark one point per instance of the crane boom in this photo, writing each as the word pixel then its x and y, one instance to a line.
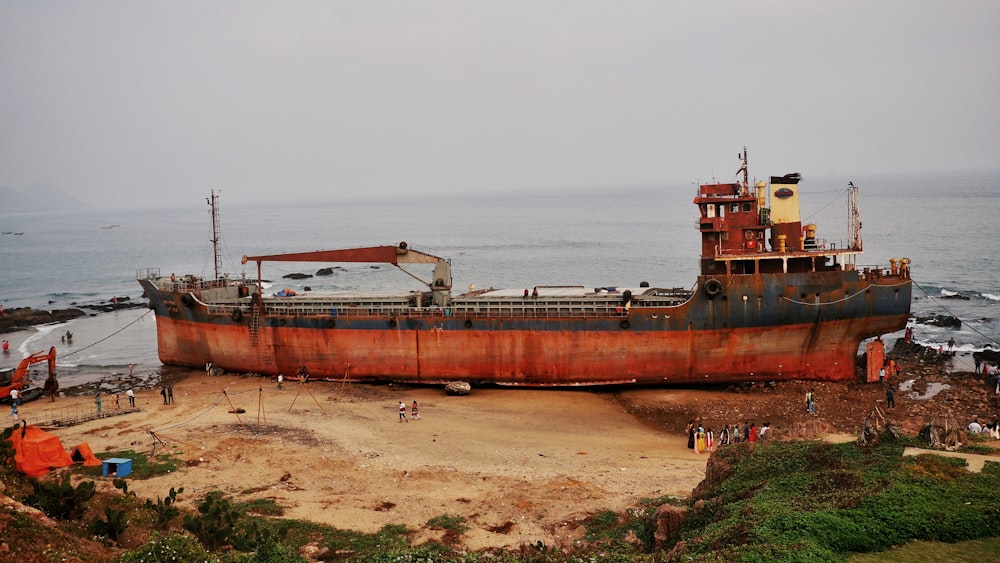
pixel 387 254
pixel 400 254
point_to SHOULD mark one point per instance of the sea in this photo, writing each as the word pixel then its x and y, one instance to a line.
pixel 945 223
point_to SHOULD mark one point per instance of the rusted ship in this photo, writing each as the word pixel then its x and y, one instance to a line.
pixel 773 301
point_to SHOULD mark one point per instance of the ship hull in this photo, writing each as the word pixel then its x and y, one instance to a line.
pixel 755 327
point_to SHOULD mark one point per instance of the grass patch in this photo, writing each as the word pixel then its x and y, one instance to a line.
pixel 979 551
pixel 143 467
pixel 801 501
pixel 448 522
pixel 261 506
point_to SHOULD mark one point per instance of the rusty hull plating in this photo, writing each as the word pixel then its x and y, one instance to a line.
pixel 772 302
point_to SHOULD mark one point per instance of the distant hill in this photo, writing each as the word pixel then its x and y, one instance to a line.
pixel 37 197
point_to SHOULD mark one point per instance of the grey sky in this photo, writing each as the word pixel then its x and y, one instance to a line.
pixel 135 102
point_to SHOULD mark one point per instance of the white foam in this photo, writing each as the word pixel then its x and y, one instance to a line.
pixel 29 347
pixel 991 296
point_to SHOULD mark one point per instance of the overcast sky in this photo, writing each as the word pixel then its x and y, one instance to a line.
pixel 140 101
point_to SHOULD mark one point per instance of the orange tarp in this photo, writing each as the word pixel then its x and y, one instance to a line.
pixel 37 451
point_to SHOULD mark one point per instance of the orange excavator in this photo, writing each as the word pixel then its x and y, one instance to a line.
pixel 18 378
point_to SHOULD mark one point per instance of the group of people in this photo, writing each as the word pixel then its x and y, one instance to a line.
pixel 889 368
pixel 992 429
pixel 116 398
pixel 167 391
pixel 704 441
pixel 414 412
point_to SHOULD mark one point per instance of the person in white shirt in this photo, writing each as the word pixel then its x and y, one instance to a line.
pixel 974 427
pixel 14 400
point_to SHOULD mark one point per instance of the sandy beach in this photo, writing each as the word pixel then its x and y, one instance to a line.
pixel 522 466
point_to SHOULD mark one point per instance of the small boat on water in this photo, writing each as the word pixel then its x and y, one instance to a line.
pixel 773 301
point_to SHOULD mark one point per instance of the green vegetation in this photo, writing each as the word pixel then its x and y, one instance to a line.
pixel 811 501
pixel 973 551
pixel 261 506
pixel 780 501
pixel 446 522
pixel 112 526
pixel 143 467
pixel 62 499
pixel 164 508
pixel 216 521
pixel 170 547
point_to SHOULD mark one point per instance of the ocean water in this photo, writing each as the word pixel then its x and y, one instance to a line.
pixel 944 223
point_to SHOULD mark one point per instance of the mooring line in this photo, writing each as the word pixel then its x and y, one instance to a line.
pixel 967 325
pixel 77 351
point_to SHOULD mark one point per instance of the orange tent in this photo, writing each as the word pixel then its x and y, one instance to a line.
pixel 37 451
pixel 83 454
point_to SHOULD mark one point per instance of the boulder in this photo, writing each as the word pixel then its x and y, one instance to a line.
pixel 669 519
pixel 458 388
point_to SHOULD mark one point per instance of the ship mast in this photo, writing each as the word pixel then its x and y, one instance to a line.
pixel 854 217
pixel 746 172
pixel 213 201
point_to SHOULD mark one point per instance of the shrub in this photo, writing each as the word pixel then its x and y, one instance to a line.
pixel 113 526
pixel 172 547
pixel 61 500
pixel 164 508
pixel 216 523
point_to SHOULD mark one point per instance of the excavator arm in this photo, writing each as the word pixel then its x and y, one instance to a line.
pixel 20 377
pixel 395 255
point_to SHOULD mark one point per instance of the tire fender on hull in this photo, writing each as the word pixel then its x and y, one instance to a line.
pixel 713 287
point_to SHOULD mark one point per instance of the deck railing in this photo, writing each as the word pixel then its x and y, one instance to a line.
pixel 494 310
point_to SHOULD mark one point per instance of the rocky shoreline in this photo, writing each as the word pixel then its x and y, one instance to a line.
pixel 23 318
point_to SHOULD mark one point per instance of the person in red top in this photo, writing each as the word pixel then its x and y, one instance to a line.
pixel 753 432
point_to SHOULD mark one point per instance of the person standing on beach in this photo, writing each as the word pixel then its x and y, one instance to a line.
pixel 15 398
pixel 98 402
pixel 130 368
pixel 415 412
pixel 163 392
pixel 402 412
pixel 13 404
pixel 131 398
pixel 117 404
pixel 810 404
pixel 752 435
pixel 890 398
pixel 281 381
pixel 690 430
pixel 170 394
